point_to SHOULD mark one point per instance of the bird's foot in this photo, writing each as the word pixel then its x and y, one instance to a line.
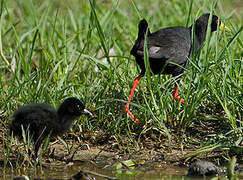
pixel 135 84
pixel 175 95
pixel 177 98
pixel 130 114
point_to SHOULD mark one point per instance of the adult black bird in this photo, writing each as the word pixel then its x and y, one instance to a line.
pixel 41 120
pixel 169 49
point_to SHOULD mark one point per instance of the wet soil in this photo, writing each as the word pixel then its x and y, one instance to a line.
pixel 98 151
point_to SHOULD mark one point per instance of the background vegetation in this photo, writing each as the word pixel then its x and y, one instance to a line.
pixel 53 49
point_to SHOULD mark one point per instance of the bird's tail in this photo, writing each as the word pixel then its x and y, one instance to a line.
pixel 142 28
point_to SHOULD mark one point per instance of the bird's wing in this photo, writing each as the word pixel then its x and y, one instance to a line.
pixel 172 44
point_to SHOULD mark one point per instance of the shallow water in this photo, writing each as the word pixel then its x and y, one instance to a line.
pixel 63 171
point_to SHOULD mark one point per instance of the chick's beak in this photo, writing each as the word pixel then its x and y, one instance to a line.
pixel 85 111
pixel 222 27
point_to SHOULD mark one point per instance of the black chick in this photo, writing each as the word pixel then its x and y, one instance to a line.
pixel 40 120
pixel 169 49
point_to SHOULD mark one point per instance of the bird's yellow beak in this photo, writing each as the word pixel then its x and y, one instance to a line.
pixel 222 27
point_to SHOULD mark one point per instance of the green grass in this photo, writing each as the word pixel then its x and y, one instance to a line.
pixel 53 49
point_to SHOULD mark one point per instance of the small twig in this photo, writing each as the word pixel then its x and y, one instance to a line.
pixel 97 174
pixel 98 154
pixel 71 158
pixel 127 167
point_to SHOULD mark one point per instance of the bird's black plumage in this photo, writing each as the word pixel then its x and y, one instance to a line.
pixel 40 120
pixel 170 48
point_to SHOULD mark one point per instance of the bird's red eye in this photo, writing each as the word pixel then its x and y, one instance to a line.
pixel 216 21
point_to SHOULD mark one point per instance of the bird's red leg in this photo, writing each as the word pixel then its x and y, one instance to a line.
pixel 135 84
pixel 175 95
